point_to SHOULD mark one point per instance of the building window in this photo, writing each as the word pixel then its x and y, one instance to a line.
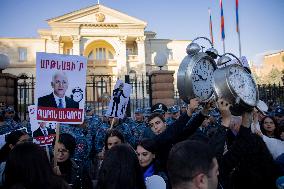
pixel 22 54
pixel 100 53
pixel 101 88
pixel 129 51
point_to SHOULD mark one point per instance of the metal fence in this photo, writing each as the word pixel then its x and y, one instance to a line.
pixel 98 92
pixel 272 94
pixel 139 97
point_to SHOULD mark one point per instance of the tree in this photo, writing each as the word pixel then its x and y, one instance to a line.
pixel 274 76
pixel 258 79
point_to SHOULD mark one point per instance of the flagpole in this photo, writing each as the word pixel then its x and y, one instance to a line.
pixel 224 46
pixel 240 48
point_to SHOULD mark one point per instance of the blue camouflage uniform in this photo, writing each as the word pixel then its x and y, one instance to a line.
pixel 170 121
pixel 100 137
pixel 9 124
pixel 84 137
pixel 128 120
pixel 172 110
pixel 148 133
pixel 138 127
pixel 101 133
pixel 94 124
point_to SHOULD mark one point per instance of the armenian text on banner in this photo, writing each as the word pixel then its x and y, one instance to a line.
pixel 43 133
pixel 60 87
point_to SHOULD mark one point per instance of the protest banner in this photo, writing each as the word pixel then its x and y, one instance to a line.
pixel 43 133
pixel 119 100
pixel 60 87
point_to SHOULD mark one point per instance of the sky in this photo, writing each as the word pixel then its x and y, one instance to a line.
pixel 261 21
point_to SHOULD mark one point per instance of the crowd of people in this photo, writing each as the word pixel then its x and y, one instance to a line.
pixel 199 145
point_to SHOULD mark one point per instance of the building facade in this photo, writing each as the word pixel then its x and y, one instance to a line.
pixel 270 63
pixel 113 42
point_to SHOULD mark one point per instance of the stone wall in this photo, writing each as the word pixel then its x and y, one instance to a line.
pixel 162 87
pixel 8 90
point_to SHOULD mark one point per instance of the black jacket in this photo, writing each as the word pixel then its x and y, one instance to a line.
pixel 247 163
pixel 38 132
pixel 49 101
pixel 178 131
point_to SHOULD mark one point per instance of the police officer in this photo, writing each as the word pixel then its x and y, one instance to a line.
pixel 279 115
pixel 10 121
pixel 138 126
pixel 183 109
pixel 117 124
pixel 175 113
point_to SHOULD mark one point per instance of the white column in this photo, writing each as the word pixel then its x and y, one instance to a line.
pixel 121 62
pixel 76 44
pixel 61 48
pixel 141 53
pixel 53 44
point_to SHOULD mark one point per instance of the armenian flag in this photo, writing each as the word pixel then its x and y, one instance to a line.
pixel 237 15
pixel 222 21
pixel 210 26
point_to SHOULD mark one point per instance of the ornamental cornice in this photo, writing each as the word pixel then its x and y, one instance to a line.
pixel 55 38
pixel 75 38
pixel 122 38
pixel 140 39
pixel 100 25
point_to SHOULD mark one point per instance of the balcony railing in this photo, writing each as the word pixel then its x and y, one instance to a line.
pixel 132 58
pixel 102 63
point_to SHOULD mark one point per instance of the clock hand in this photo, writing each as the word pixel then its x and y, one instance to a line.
pixel 195 79
pixel 200 77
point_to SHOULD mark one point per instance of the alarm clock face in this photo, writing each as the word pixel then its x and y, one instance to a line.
pixel 77 97
pixel 202 79
pixel 243 84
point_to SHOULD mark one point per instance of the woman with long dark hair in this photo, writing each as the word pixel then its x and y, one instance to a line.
pixel 66 166
pixel 120 169
pixel 113 137
pixel 146 152
pixel 15 137
pixel 28 166
pixel 269 127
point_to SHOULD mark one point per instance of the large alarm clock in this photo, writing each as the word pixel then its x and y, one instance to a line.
pixel 195 74
pixel 235 84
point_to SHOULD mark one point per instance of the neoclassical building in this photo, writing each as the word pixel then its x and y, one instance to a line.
pixel 270 62
pixel 113 42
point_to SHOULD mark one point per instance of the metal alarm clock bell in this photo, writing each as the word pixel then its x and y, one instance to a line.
pixel 235 84
pixel 195 74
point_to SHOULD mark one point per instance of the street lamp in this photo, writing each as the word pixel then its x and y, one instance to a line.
pixel 4 62
pixel 160 60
